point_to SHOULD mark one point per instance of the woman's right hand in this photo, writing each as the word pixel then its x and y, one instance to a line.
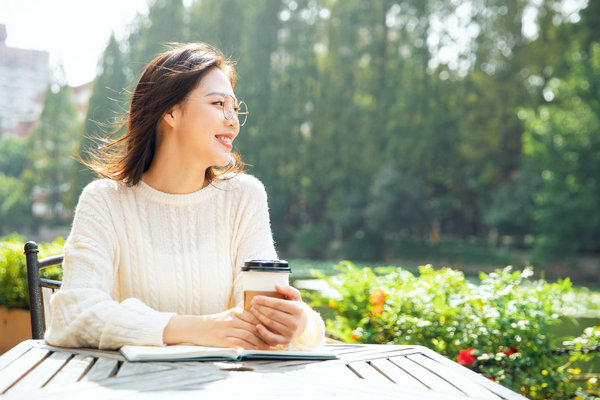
pixel 232 328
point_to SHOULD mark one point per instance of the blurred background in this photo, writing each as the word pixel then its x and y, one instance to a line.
pixel 462 133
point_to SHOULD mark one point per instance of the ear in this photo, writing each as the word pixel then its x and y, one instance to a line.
pixel 170 117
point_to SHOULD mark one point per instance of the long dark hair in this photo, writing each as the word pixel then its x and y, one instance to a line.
pixel 165 82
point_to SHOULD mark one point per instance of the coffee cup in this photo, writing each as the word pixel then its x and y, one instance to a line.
pixel 260 278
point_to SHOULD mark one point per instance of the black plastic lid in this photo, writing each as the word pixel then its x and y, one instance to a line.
pixel 266 266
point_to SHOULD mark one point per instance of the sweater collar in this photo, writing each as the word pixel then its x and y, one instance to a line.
pixel 157 196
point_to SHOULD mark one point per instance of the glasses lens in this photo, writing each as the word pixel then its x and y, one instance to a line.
pixel 242 113
pixel 231 108
pixel 228 107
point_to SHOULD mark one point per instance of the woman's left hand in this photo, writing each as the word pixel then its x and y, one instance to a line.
pixel 281 320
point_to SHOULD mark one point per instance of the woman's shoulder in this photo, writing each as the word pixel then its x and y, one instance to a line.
pixel 241 180
pixel 103 188
pixel 246 185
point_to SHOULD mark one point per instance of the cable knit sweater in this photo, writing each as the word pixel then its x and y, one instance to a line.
pixel 136 256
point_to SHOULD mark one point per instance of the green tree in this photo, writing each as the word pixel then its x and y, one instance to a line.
pixel 13 156
pixel 342 93
pixel 164 24
pixel 562 144
pixel 15 205
pixel 51 147
pixel 105 109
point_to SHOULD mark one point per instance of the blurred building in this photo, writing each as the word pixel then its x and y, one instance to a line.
pixel 81 97
pixel 24 76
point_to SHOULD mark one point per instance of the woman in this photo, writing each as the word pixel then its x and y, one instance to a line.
pixel 156 247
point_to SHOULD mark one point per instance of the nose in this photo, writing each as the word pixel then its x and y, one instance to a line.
pixel 234 121
pixel 234 124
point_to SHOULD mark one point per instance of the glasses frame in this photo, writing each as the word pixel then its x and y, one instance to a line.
pixel 240 105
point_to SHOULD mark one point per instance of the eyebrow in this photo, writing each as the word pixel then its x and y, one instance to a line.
pixel 220 94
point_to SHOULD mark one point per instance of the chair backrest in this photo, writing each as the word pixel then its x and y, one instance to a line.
pixel 37 286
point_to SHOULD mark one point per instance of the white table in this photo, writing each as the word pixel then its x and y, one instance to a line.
pixel 33 369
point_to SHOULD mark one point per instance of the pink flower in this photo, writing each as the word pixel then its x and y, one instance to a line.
pixel 466 357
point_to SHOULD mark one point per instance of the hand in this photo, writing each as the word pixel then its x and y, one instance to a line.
pixel 232 328
pixel 281 321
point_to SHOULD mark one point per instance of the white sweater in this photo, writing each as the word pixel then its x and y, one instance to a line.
pixel 136 256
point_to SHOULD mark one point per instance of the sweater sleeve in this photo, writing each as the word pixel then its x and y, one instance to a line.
pixel 254 240
pixel 84 313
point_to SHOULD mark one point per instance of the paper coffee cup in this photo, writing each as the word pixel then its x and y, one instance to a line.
pixel 260 278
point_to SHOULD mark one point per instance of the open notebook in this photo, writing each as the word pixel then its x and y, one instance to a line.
pixel 201 353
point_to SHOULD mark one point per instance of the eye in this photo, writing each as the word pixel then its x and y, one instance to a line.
pixel 219 103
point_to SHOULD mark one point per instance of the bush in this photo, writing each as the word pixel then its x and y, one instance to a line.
pixel 498 328
pixel 13 270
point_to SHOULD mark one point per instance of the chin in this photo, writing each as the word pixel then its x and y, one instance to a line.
pixel 224 162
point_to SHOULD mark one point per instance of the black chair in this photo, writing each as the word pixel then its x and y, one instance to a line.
pixel 37 298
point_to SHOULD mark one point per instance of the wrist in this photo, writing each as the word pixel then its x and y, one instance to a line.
pixel 303 320
pixel 183 329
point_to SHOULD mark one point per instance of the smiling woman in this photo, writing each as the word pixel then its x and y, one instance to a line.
pixel 156 249
pixel 164 125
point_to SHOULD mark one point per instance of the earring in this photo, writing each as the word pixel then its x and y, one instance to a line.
pixel 232 162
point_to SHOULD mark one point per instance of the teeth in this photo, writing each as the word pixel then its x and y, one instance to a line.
pixel 224 139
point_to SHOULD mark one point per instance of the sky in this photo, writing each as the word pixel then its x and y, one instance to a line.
pixel 74 32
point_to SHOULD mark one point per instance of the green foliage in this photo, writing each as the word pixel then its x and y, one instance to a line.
pixel 584 347
pixel 312 240
pixel 51 148
pixel 106 106
pixel 13 156
pixel 368 122
pixel 396 205
pixel 15 205
pixel 499 328
pixel 511 208
pixel 13 270
pixel 562 146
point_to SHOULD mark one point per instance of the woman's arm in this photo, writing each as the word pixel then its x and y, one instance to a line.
pixel 231 328
pixel 288 321
pixel 84 313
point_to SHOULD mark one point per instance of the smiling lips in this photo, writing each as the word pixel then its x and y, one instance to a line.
pixel 226 140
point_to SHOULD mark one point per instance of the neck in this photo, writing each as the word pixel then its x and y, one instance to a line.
pixel 174 176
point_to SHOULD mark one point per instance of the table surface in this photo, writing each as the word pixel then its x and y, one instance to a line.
pixel 33 369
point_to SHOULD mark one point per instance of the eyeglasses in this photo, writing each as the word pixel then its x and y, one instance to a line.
pixel 231 108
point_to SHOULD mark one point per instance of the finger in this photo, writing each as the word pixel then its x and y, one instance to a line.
pixel 286 306
pixel 284 327
pixel 248 317
pixel 248 338
pixel 243 320
pixel 283 317
pixel 291 293
pixel 272 338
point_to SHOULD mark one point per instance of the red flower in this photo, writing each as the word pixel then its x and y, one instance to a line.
pixel 354 337
pixel 377 297
pixel 511 350
pixel 466 357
